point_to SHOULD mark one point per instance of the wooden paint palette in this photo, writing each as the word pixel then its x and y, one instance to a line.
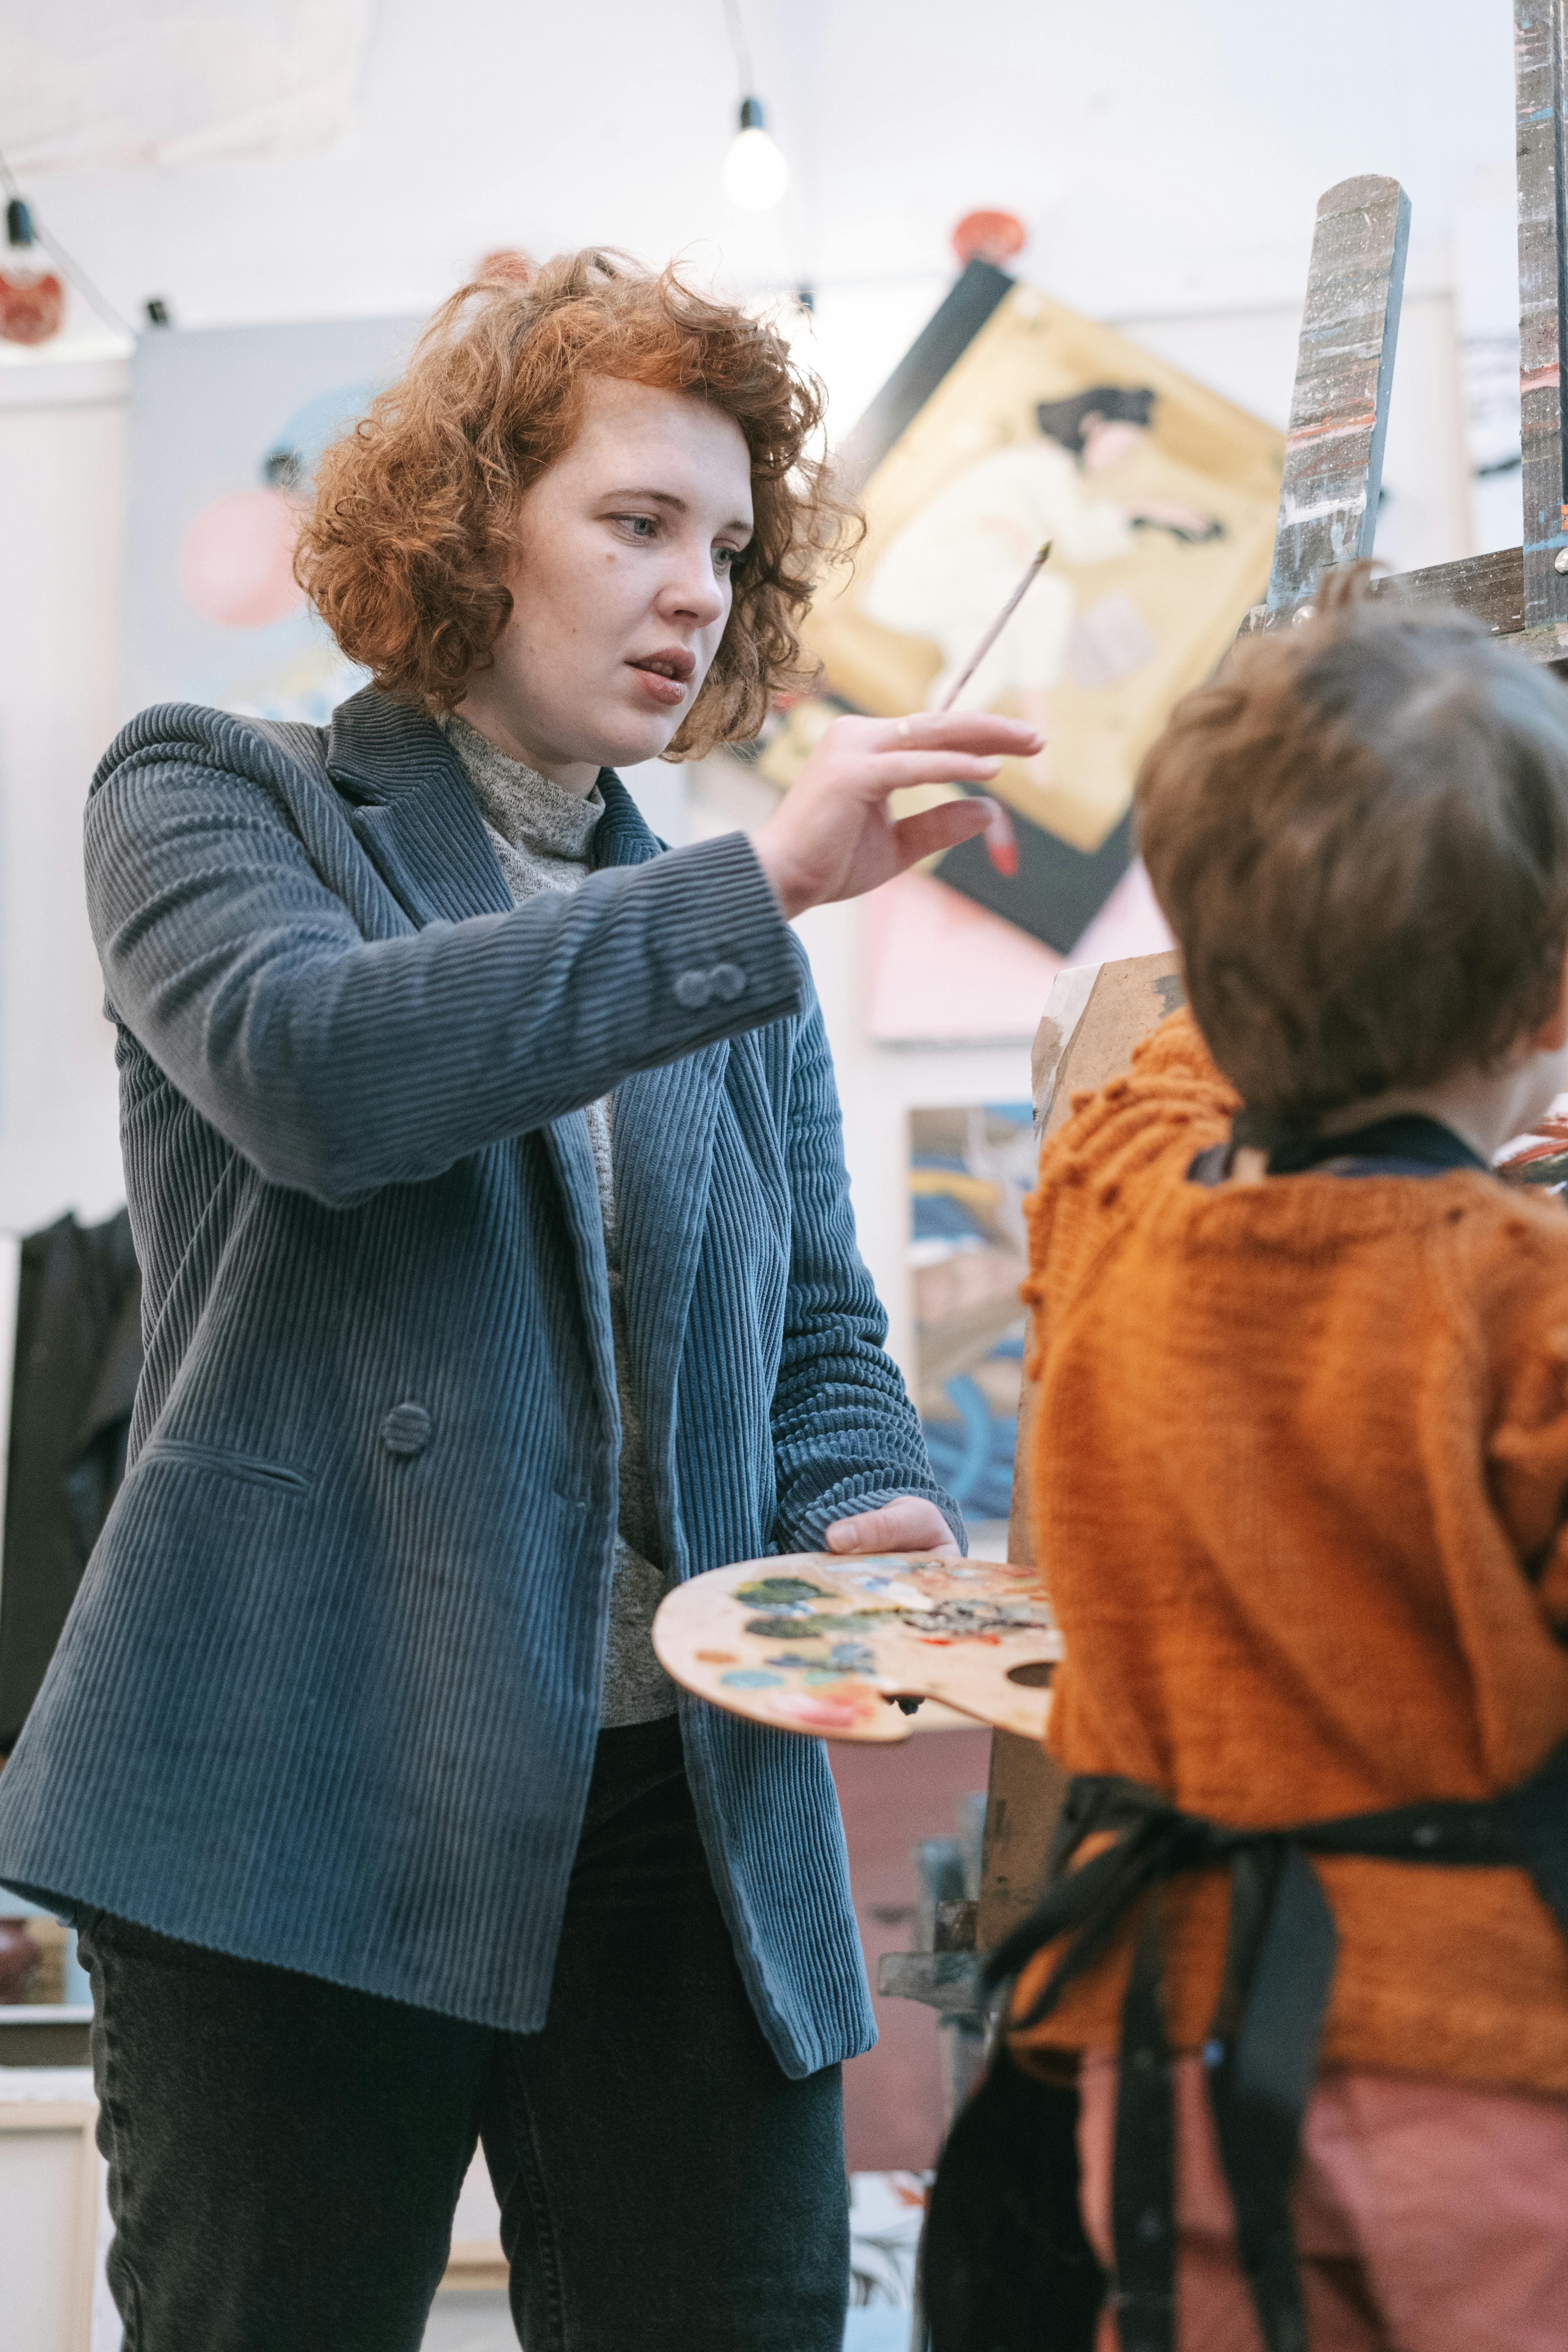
pixel 822 1642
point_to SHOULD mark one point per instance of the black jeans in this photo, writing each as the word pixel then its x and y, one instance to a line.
pixel 285 2156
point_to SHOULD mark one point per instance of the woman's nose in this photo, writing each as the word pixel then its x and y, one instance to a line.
pixel 694 593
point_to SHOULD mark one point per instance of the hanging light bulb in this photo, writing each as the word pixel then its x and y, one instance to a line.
pixel 755 173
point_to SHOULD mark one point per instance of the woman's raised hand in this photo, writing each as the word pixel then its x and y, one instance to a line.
pixel 832 837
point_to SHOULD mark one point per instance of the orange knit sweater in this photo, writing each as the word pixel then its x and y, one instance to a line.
pixel 1298 1463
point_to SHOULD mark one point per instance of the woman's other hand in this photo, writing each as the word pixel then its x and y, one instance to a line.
pixel 910 1523
pixel 832 837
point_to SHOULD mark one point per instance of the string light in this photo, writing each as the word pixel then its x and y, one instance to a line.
pixel 755 171
pixel 756 174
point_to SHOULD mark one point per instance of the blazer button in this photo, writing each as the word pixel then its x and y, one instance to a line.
pixel 692 989
pixel 727 981
pixel 407 1429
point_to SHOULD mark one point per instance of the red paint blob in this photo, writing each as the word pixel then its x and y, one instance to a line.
pixel 816 1713
pixel 508 266
pixel 989 236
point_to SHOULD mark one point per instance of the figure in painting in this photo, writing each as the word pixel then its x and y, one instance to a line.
pixel 1083 485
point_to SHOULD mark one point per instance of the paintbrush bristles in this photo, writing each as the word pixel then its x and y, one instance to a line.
pixel 993 631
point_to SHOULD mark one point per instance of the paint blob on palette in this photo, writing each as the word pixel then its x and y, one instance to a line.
pixel 819 1642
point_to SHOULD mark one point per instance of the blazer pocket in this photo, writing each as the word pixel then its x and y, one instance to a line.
pixel 221 1462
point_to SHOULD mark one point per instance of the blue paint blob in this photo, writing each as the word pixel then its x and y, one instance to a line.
pixel 751 1678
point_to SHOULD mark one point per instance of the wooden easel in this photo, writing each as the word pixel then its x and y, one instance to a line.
pixel 1328 515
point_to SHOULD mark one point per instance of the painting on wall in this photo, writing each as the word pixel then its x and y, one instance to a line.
pixel 227 425
pixel 1011 422
pixel 970 1168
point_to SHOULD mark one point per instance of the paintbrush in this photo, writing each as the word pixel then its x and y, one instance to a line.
pixel 1001 844
pixel 1036 564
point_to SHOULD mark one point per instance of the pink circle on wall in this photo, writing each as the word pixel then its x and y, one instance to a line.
pixel 236 559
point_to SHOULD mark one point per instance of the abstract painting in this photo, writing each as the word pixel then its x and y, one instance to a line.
pixel 226 426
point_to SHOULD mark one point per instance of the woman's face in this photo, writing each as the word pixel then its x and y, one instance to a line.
pixel 620 584
pixel 1106 439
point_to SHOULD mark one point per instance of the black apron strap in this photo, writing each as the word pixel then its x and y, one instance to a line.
pixel 1262 2057
pixel 1538 1811
pixel 1143 2179
pixel 1263 2040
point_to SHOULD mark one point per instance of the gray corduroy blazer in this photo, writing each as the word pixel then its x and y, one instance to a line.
pixel 329 1695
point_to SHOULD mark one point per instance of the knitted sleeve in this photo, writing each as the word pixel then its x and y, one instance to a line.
pixel 1102 1165
pixel 1528 1449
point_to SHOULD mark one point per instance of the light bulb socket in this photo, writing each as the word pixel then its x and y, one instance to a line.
pixel 751 117
pixel 18 223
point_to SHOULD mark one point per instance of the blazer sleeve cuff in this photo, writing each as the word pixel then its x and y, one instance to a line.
pixel 725 959
pixel 806 1529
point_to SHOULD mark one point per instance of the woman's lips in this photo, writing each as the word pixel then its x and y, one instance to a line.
pixel 667 692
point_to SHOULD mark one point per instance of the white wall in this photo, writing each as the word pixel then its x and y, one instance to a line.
pixel 61 478
pixel 1166 156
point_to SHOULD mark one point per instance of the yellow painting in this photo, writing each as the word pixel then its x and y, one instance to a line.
pixel 1159 498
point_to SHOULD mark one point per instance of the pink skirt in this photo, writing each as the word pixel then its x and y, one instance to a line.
pixel 1429 2215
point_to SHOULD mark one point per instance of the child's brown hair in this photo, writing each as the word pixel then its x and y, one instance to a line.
pixel 1358 833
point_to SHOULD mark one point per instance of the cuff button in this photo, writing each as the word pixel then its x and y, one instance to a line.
pixel 407 1429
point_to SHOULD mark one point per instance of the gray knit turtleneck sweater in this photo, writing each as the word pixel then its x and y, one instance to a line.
pixel 541 834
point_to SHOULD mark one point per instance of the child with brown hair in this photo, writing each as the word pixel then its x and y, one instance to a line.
pixel 1300 1482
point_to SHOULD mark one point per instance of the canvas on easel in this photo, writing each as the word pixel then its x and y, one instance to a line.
pixel 1013 420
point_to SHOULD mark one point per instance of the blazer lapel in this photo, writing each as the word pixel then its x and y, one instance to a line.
pixel 416 816
pixel 662 1137
pixel 414 810
pixel 662 1149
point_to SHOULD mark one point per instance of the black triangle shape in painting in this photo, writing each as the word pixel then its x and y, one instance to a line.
pixel 939 345
pixel 1058 890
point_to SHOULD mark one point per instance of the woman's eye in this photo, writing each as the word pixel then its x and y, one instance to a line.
pixel 726 558
pixel 640 526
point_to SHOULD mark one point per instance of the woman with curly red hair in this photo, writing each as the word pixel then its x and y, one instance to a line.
pixel 485 1169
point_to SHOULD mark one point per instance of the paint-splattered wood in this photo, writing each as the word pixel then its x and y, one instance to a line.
pixel 1491 586
pixel 1344 367
pixel 815 1643
pixel 1094 1016
pixel 1027 1785
pixel 1538 92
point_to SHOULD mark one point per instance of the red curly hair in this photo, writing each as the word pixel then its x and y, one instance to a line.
pixel 405 551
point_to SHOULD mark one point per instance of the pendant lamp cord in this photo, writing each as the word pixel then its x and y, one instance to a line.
pixel 739 44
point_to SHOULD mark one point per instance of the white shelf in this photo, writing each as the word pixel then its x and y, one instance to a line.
pixel 44 2012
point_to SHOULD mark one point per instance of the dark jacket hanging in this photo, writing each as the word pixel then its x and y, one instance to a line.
pixel 77 1360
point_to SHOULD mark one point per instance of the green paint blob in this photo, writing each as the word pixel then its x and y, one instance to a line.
pixel 778 1592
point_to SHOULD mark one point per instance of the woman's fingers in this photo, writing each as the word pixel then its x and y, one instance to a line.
pixel 936 829
pixel 910 1523
pixel 959 730
pixel 892 771
pixel 828 838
